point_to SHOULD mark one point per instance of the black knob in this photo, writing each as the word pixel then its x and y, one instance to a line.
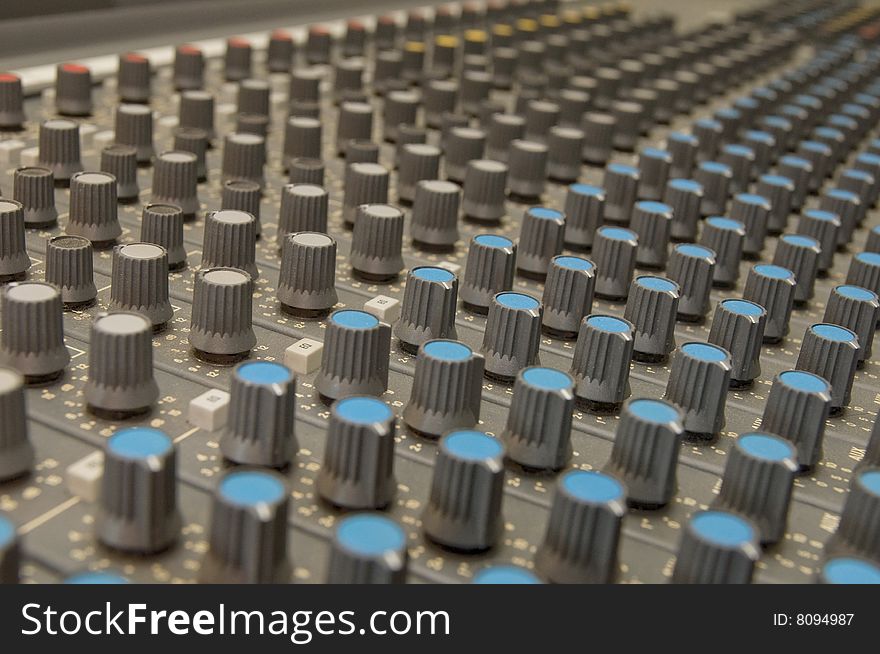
pixel 368 548
pixel 600 364
pixel 717 547
pixel 260 429
pixel 355 356
pixel 537 434
pixel 221 325
pixel 832 352
pixel 15 446
pixel 237 59
pixel 280 52
pixel 34 188
pixel 428 308
pixel 137 510
pixel 59 148
pixel 248 533
pixel 69 267
pixel 757 482
pixel 32 340
pixel 175 181
pixel 306 283
pixel 512 336
pixel 464 506
pixel 645 452
pixel 121 382
pixel 581 541
pixel 446 390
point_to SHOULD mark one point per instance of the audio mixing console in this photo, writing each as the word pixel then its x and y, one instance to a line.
pixel 534 291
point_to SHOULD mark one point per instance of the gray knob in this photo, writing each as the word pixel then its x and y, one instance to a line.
pixel 772 287
pixel 15 446
pixel 10 552
pixel 614 252
pixel 365 183
pixel 139 282
pixel 230 241
pixel 280 52
pixel 740 159
pixel 581 541
pixel 237 59
pixel 684 197
pixel 59 148
pixel 446 390
pixel 645 452
pixel 93 211
pixel 34 188
pixel 698 381
pixel 541 238
pixel 418 161
pixel 708 132
pixel 489 270
pixel 14 259
pixel 440 96
pixel 120 161
pixel 428 308
pixel 823 226
pixel 717 547
pixel 564 147
pixel 621 185
pixel 401 108
pixel 175 181
pixel 683 150
pixel 859 527
pixel 11 102
pixel 355 122
pixel 361 151
pixel 306 171
pixel 260 429
pixel 512 336
pixel 628 118
pixel 73 89
pixel 221 328
pixel 192 139
pixel 738 327
pixel 69 267
pixel 307 281
pixel 463 145
pixel 861 183
pixel 253 97
pixel 757 482
pixel 540 115
pixel 864 271
pixel 527 161
pixel 121 382
pixel 652 224
pixel 302 138
pixel 304 208
pixel 799 171
pixel 475 87
pixel 376 242
pixel 725 237
pixel 598 131
pixel 502 131
pixel 600 364
pixel 691 267
pixel 464 505
pixel 568 295
pixel 797 408
pixel 848 206
pixel 820 157
pixel 305 84
pixel 137 509
pixel 714 177
pixel 242 195
pixel 189 68
pixel 848 570
pixel 248 534
pixel 800 254
pixel 652 308
pixel 778 191
pixel 32 340
pixel 654 166
pixel 434 219
pixel 584 212
pixel 368 548
pixel 857 309
pixel 753 211
pixel 134 128
pixel 484 190
pixel 243 158
pixel 196 111
pixel 538 430
pixel 162 224
pixel 355 356
pixel 832 352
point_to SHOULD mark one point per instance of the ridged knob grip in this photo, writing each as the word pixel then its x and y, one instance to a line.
pixel 16 451
pixel 244 156
pixel 568 294
pixel 652 308
pixel 93 211
pixel 368 548
pixel 175 181
pixel 34 188
pixel 857 309
pixel 134 128
pixel 365 183
pixel 725 236
pixel 434 219
pixel 600 364
pixel 59 148
pixel 120 161
pixel 800 254
pixel 773 288
pixel 162 224
pixel 698 381
pixel 69 267
pixel 221 327
pixel 11 101
pixel 139 282
pixel 376 242
pixel 738 327
pixel 858 531
pixel 684 197
pixel 73 89
pixel 428 307
pixel 32 340
pixel 832 352
pixel 584 212
pixel 513 334
pixel 489 270
pixel 614 251
pixel 230 241
pixel 485 184
pixel 307 281
pixel 355 356
pixel 717 547
pixel 14 259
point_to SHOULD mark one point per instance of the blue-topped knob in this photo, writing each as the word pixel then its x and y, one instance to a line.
pixel 9 552
pixel 692 267
pixel 773 288
pixel 857 309
pixel 778 191
pixel 848 570
pixel 490 267
pixel 683 148
pixel 137 508
pixel 601 360
pixel 753 211
pixel 584 212
pixel 446 388
pixel 652 308
pixel 621 185
pixel 738 327
pixel 654 165
pixel 568 294
pixel 358 467
pixel 717 547
pixel 505 574
pixel 645 451
pixel 797 408
pixel 799 254
pixel 614 252
pixel 512 336
pixel 367 548
pixel 715 178
pixel 538 430
pixel 247 542
pixel 464 505
pixel 832 352
pixel 859 529
pixel 698 383
pixel 864 271
pixel 355 356
pixel 540 239
pixel 581 541
pixel 428 309
pixel 823 226
pixel 799 170
pixel 757 482
pixel 725 237
pixel 652 224
pixel 684 196
pixel 98 577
